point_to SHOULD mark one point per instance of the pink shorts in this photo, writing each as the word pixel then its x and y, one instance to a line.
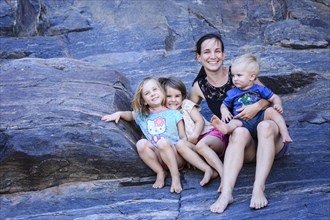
pixel 215 132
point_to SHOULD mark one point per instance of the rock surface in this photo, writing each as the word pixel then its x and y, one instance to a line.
pixel 141 38
pixel 51 132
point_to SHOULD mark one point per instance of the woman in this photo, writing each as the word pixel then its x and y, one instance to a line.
pixel 211 85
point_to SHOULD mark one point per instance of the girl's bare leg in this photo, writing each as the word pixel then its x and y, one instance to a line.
pixel 210 147
pixel 147 153
pixel 185 149
pixel 269 142
pixel 168 155
pixel 241 147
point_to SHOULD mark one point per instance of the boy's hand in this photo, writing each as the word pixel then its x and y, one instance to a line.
pixel 278 108
pixel 226 116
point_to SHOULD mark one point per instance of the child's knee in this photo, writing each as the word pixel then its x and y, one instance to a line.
pixel 142 145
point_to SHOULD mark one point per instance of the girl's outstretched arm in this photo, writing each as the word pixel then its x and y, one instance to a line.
pixel 125 115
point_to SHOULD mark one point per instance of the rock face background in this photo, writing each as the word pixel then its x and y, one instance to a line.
pixel 64 64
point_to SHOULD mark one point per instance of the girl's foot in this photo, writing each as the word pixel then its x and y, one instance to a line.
pixel 176 184
pixel 208 175
pixel 160 180
pixel 258 200
pixel 222 202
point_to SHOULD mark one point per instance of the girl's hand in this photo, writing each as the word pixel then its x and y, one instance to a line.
pixel 278 108
pixel 193 139
pixel 113 117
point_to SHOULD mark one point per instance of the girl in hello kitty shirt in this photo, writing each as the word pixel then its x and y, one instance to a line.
pixel 162 128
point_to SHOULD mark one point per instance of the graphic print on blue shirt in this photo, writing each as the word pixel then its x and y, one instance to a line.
pixel 155 128
pixel 249 98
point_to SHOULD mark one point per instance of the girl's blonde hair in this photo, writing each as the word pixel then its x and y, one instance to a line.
pixel 247 62
pixel 138 102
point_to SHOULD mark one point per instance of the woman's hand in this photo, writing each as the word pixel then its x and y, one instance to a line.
pixel 247 112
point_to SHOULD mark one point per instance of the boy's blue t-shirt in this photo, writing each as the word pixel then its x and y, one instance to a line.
pixel 236 98
pixel 159 125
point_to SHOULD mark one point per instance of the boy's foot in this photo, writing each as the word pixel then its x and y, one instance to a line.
pixel 160 180
pixel 176 185
pixel 218 124
pixel 258 200
pixel 222 202
pixel 287 139
pixel 208 175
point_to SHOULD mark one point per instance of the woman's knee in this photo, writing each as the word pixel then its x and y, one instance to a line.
pixel 267 129
pixel 239 134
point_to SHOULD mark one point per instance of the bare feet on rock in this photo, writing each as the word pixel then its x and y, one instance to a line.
pixel 222 203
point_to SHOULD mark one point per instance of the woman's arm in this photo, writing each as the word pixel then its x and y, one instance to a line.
pixel 249 111
pixel 196 94
pixel 126 115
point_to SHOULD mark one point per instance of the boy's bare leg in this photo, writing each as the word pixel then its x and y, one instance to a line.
pixel 168 156
pixel 223 127
pixel 272 114
pixel 149 156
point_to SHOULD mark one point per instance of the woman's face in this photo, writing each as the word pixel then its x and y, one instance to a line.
pixel 211 56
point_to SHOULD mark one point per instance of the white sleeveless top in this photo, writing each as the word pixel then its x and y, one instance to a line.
pixel 189 123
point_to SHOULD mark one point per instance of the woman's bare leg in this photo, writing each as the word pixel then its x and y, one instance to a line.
pixel 168 155
pixel 241 146
pixel 147 153
pixel 185 149
pixel 268 140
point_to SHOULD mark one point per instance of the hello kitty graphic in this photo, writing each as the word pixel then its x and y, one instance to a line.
pixel 155 128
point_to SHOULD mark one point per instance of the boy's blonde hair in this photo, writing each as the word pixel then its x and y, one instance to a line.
pixel 247 63
pixel 138 102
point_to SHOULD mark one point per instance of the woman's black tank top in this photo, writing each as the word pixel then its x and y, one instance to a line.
pixel 214 96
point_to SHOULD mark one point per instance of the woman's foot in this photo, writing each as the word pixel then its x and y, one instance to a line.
pixel 176 184
pixel 160 180
pixel 222 202
pixel 218 124
pixel 208 175
pixel 258 200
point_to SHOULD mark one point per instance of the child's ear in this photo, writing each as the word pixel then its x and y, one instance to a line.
pixel 253 76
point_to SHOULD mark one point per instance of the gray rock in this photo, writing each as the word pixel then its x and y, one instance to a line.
pixel 51 131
